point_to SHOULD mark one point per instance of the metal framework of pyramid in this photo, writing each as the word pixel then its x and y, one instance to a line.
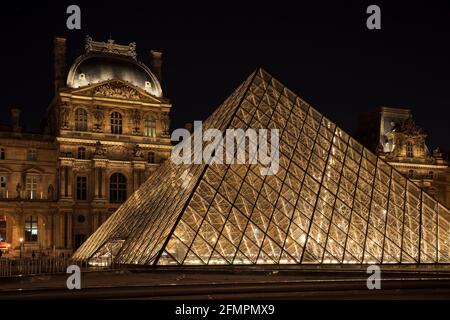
pixel 331 201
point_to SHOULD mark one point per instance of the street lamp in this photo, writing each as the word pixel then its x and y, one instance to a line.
pixel 21 244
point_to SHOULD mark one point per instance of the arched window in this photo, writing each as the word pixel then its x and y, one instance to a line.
pixel 81 153
pixel 116 123
pixel 409 149
pixel 150 126
pixel 31 228
pixel 81 120
pixel 117 188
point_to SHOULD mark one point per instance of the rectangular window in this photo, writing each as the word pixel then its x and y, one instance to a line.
pixel 31 187
pixel 32 155
pixel 3 186
pixel 2 228
pixel 31 229
pixel 3 182
pixel 150 127
pixel 151 157
pixel 2 153
pixel 81 188
pixel 116 123
pixel 81 153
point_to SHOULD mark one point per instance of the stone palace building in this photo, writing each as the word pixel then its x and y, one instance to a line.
pixel 105 131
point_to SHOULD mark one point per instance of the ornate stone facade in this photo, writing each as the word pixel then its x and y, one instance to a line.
pixel 101 141
pixel 394 135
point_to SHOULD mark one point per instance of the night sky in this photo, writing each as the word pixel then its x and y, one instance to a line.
pixel 322 51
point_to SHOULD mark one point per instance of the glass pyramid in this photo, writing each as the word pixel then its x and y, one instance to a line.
pixel 331 201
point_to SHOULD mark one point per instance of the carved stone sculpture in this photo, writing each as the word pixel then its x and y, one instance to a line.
pixel 136 116
pixel 99 149
pixel 137 152
pixel 165 123
pixel 19 190
pixel 117 90
pixel 64 116
pixel 98 116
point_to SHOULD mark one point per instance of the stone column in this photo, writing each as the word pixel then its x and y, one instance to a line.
pixel 135 179
pixel 70 182
pixel 138 169
pixel 69 217
pixel 96 183
pixel 62 233
pixel 62 181
pixel 103 183
pixel 95 221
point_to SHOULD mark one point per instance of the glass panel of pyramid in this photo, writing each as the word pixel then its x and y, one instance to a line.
pixel 331 200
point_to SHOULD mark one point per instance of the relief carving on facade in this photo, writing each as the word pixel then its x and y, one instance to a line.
pixel 118 152
pixel 100 151
pixel 409 128
pixel 65 111
pixel 51 192
pixel 117 90
pixel 19 190
pixel 98 116
pixel 136 116
pixel 137 152
pixel 408 133
pixel 165 123
pixel 110 47
pixel 66 154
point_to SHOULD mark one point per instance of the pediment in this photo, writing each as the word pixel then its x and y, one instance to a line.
pixel 33 170
pixel 117 89
pixel 5 170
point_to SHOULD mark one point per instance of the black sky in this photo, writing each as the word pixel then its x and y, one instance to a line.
pixel 322 51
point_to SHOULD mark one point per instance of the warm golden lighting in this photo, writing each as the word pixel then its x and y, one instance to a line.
pixel 332 201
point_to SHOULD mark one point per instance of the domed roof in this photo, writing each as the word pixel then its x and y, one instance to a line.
pixel 94 67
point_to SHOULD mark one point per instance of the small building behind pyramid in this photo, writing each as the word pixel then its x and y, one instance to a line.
pixel 331 200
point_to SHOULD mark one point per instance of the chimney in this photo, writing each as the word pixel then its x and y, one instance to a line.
pixel 15 119
pixel 156 62
pixel 59 62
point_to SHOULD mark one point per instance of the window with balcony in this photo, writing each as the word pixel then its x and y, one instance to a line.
pixel 116 123
pixel 150 126
pixel 31 187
